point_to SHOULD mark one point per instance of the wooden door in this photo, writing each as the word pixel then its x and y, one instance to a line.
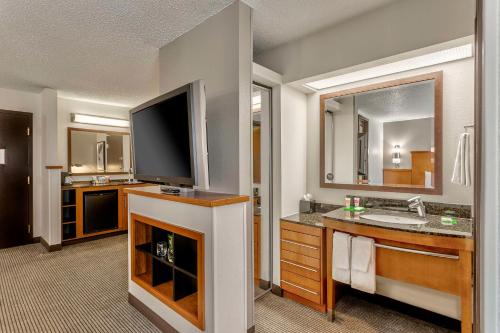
pixel 16 194
pixel 421 161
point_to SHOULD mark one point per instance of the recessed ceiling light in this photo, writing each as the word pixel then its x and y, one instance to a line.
pixel 97 120
pixel 430 59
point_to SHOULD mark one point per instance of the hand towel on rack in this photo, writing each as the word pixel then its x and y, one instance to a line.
pixel 341 259
pixel 363 264
pixel 461 170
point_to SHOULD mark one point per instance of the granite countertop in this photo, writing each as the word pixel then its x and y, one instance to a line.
pixel 310 219
pixel 89 184
pixel 462 229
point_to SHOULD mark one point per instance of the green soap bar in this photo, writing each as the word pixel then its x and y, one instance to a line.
pixel 354 209
pixel 448 220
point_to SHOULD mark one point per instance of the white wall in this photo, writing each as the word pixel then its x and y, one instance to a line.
pixel 490 204
pixel 15 100
pixel 458 110
pixel 219 52
pixel 410 135
pixel 399 27
pixel 67 106
pixel 344 141
pixel 293 149
pixel 375 152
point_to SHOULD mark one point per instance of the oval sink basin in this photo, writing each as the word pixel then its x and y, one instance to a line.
pixel 393 219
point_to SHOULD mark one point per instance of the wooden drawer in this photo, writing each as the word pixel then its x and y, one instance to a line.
pixel 304 229
pixel 312 296
pixel 300 237
pixel 307 250
pixel 301 281
pixel 300 259
pixel 310 273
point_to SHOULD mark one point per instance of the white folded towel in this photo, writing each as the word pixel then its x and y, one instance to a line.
pixel 461 170
pixel 341 259
pixel 363 264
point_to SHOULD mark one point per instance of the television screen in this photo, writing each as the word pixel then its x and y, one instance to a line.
pixel 162 140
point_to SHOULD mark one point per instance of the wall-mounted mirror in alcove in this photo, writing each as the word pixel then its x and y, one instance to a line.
pixel 384 137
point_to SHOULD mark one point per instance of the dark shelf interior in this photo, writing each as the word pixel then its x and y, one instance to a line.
pixel 68 197
pixel 69 214
pixel 175 280
pixel 68 231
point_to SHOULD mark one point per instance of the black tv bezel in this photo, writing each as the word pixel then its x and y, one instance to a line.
pixel 172 181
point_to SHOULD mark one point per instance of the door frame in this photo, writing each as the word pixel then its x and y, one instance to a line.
pixel 29 115
pixel 271 182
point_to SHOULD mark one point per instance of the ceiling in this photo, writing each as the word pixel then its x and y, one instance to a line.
pixel 108 50
pixel 94 49
pixel 405 102
pixel 279 21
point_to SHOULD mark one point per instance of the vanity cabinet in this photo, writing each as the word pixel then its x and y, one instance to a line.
pixel 302 267
pixel 442 263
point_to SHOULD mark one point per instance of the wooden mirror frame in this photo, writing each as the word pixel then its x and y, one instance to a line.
pixel 438 137
pixel 71 129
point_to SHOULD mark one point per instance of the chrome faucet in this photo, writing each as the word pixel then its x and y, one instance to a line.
pixel 418 204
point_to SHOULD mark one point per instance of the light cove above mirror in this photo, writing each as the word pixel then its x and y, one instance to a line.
pixel 383 137
pixel 92 152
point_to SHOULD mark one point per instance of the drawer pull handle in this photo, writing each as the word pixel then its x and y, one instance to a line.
pixel 299 287
pixel 300 244
pixel 304 267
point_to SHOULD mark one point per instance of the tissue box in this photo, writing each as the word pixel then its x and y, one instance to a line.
pixel 306 206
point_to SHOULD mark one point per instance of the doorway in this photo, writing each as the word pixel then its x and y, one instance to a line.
pixel 262 187
pixel 16 174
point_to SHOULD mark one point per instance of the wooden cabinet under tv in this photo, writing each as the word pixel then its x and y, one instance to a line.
pixel 178 282
pixel 73 210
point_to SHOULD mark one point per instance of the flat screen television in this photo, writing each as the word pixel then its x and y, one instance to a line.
pixel 169 143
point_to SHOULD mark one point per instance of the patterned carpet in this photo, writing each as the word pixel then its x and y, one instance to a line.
pixel 279 315
pixel 83 288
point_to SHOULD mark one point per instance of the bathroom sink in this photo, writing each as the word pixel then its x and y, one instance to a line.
pixel 393 219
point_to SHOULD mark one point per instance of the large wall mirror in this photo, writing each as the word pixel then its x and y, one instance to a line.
pixel 384 137
pixel 98 152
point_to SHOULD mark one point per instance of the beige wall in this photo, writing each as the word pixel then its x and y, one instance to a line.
pixel 402 26
pixel 458 110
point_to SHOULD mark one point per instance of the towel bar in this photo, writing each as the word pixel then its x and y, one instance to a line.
pixel 427 253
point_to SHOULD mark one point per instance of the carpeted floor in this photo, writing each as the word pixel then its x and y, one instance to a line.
pixel 274 314
pixel 83 288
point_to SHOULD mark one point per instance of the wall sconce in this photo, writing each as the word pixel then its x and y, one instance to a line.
pixel 97 120
pixel 396 156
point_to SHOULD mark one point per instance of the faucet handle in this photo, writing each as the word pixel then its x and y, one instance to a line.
pixel 417 198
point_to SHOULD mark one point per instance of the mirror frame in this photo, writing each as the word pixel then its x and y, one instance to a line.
pixel 438 137
pixel 75 129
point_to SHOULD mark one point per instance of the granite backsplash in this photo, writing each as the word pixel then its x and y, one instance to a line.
pixel 434 208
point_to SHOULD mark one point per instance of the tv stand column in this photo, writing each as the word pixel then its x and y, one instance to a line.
pixel 200 283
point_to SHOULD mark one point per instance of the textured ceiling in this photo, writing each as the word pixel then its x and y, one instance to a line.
pixel 411 101
pixel 107 50
pixel 97 49
pixel 279 21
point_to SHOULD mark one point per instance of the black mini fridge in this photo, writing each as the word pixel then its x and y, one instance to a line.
pixel 100 211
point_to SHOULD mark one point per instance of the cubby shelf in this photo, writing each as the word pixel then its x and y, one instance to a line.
pixel 180 283
pixel 148 249
pixel 68 214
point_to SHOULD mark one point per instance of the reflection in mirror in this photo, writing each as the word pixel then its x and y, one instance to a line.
pixel 94 152
pixel 381 137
